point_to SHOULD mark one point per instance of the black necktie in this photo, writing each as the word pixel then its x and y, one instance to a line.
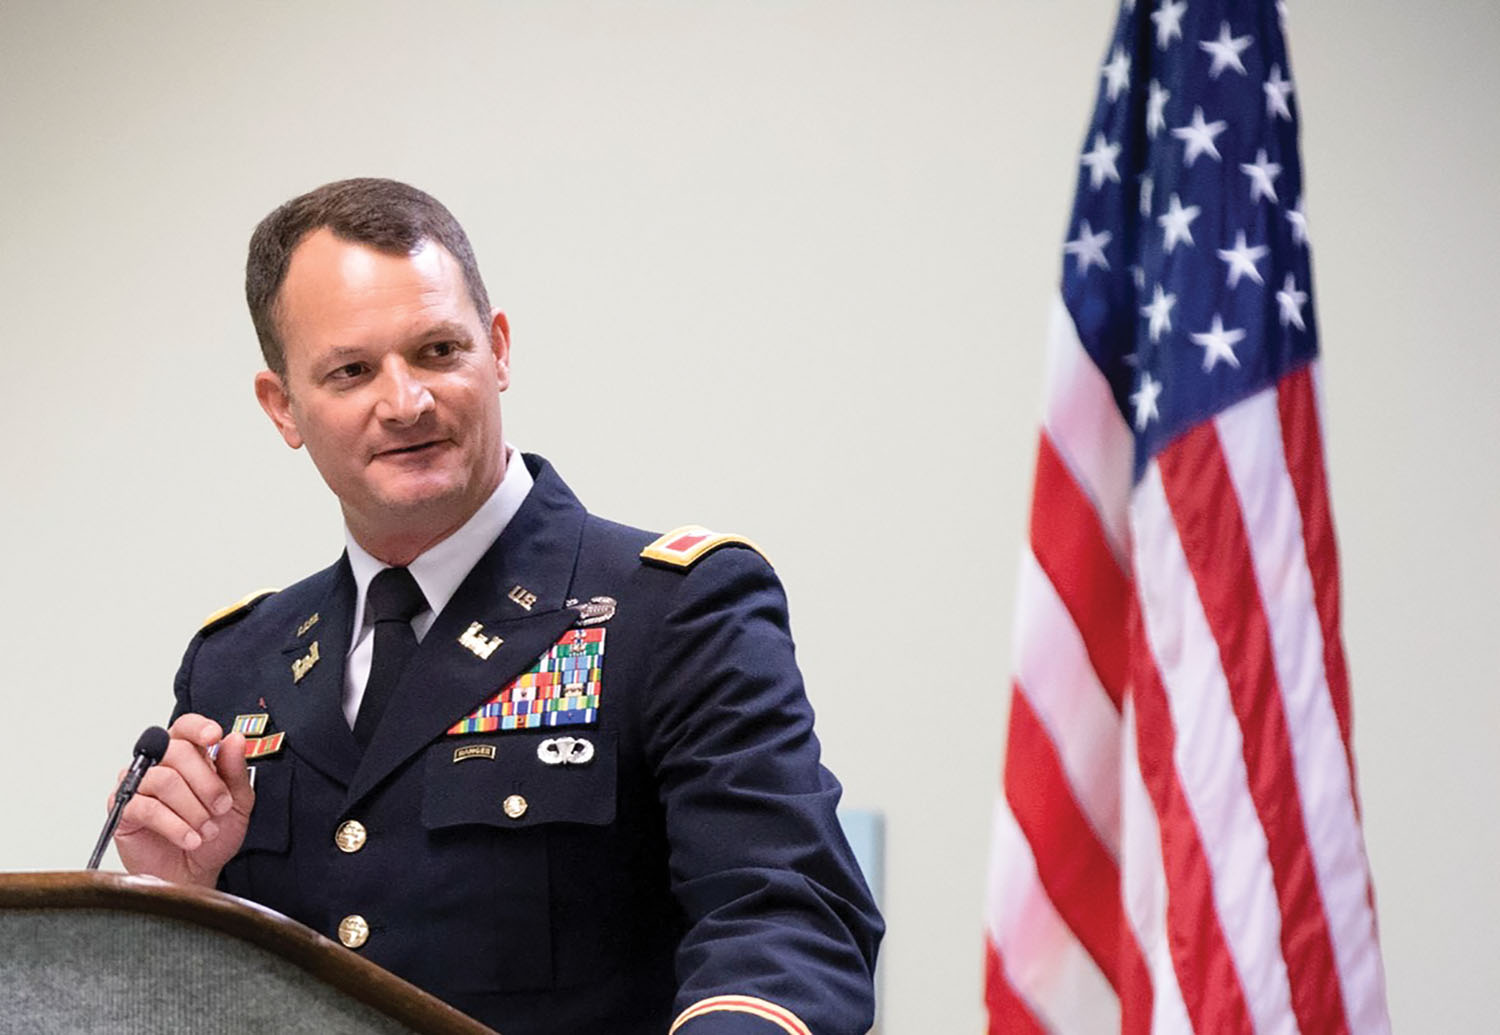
pixel 394 599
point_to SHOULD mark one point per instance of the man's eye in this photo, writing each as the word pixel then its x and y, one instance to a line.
pixel 442 349
pixel 347 372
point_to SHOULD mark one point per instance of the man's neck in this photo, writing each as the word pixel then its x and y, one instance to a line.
pixel 400 550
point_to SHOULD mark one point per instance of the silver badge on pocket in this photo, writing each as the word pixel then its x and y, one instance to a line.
pixel 565 751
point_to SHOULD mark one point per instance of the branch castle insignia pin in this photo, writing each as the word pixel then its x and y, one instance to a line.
pixel 474 638
pixel 302 665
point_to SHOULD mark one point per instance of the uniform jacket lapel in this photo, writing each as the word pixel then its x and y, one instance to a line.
pixel 311 710
pixel 447 680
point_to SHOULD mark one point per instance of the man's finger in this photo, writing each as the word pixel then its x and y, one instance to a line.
pixel 197 729
pixel 168 786
pixel 234 772
pixel 190 761
pixel 148 814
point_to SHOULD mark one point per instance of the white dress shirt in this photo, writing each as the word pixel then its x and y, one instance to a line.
pixel 438 572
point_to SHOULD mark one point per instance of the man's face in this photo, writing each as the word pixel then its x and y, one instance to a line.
pixel 393 383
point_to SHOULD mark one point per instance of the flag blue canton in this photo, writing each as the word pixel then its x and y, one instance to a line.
pixel 1186 268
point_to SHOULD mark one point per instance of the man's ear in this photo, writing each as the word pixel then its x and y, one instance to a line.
pixel 271 393
pixel 500 346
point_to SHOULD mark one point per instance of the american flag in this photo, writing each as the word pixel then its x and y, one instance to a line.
pixel 1177 841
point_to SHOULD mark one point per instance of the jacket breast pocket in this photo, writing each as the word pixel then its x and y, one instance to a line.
pixel 517 781
pixel 270 827
pixel 262 868
pixel 493 807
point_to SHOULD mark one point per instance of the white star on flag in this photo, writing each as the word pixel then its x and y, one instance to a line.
pixel 1169 22
pixel 1291 302
pixel 1116 73
pixel 1089 247
pixel 1262 173
pixel 1277 91
pixel 1144 400
pixel 1176 223
pixel 1156 104
pixel 1199 137
pixel 1160 312
pixel 1299 224
pixel 1226 51
pixel 1242 259
pixel 1219 344
pixel 1101 162
pixel 1148 188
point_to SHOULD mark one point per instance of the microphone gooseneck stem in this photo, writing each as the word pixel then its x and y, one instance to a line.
pixel 107 833
pixel 128 786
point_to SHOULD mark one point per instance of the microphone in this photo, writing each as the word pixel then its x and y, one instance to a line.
pixel 149 749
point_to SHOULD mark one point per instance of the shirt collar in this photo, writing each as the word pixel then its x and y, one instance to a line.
pixel 441 569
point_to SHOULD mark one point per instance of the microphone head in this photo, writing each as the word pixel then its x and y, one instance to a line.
pixel 153 743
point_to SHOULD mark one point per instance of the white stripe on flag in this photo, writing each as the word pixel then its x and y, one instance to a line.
pixel 1045 964
pixel 1257 466
pixel 1053 671
pixel 1086 427
pixel 1209 758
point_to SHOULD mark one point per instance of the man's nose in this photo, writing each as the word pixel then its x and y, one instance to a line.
pixel 404 397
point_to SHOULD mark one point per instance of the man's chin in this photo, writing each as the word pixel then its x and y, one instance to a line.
pixel 420 497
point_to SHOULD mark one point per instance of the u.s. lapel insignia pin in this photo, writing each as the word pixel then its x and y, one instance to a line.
pixel 302 665
pixel 302 629
pixel 522 596
pixel 594 611
pixel 473 638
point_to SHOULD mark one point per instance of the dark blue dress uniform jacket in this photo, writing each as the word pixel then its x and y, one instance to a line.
pixel 695 858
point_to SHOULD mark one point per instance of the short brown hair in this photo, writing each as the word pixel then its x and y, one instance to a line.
pixel 387 215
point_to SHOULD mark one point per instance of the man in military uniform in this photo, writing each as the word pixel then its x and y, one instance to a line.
pixel 560 772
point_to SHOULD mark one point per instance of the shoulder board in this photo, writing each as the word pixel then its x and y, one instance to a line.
pixel 683 547
pixel 235 611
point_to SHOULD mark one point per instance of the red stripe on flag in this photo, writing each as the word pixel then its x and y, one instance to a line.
pixel 1009 1015
pixel 1303 442
pixel 1211 529
pixel 1081 876
pixel 1206 974
pixel 1071 547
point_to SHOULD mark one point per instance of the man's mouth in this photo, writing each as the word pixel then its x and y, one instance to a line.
pixel 416 449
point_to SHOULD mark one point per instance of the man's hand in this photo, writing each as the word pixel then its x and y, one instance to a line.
pixel 190 815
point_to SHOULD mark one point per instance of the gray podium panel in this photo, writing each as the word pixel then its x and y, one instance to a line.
pixel 86 971
pixel 85 953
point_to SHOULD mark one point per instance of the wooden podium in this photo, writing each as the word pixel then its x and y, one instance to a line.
pixel 86 952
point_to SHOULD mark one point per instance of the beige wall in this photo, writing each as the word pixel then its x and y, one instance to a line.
pixel 781 268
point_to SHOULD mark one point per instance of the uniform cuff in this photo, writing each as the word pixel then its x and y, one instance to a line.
pixel 737 1015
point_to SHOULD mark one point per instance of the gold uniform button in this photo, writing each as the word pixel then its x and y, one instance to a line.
pixel 351 836
pixel 515 806
pixel 353 931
